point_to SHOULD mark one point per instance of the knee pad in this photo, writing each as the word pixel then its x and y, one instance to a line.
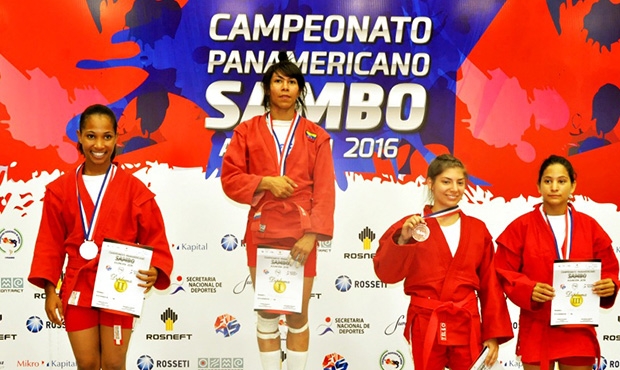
pixel 298 331
pixel 267 328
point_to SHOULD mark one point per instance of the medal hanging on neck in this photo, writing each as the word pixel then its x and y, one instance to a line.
pixel 421 232
pixel 285 149
pixel 89 249
pixel 562 251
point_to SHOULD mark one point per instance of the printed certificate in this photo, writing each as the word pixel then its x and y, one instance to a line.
pixel 116 283
pixel 574 301
pixel 279 284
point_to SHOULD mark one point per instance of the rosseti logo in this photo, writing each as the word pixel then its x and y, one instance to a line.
pixel 34 324
pixel 602 365
pixel 343 283
pixel 145 362
pixel 229 242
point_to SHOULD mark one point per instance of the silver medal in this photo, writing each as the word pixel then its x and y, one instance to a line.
pixel 88 250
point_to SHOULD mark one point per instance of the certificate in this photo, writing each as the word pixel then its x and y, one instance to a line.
pixel 279 284
pixel 574 301
pixel 116 283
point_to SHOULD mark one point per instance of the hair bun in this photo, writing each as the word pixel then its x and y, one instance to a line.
pixel 282 56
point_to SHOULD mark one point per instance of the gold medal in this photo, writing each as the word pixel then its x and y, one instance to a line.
pixel 576 300
pixel 279 286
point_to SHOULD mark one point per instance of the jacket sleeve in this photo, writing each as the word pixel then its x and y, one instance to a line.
pixel 508 264
pixel 237 181
pixel 604 251
pixel 49 251
pixel 496 322
pixel 392 261
pixel 323 193
pixel 152 232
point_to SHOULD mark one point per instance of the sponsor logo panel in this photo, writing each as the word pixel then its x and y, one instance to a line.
pixel 11 242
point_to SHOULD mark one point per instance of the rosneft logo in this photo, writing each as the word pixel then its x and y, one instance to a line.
pixel 34 324
pixel 145 362
pixel 229 242
pixel 366 236
pixel 343 283
pixel 169 317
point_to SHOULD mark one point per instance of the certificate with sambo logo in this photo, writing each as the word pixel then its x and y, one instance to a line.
pixel 279 284
pixel 116 283
pixel 574 301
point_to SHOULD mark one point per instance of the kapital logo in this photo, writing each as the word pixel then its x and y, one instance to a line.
pixel 34 324
pixel 343 283
pixel 229 242
pixel 145 362
pixel 191 247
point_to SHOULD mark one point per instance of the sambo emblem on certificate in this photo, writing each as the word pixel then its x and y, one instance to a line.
pixel 279 284
pixel 116 284
pixel 574 301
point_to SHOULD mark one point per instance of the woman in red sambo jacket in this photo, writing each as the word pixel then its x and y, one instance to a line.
pixel 445 276
pixel 80 209
pixel 281 165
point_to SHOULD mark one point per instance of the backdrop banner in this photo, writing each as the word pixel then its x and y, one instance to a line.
pixel 499 84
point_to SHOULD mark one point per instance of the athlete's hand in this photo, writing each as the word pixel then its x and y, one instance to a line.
pixel 149 277
pixel 302 248
pixel 53 305
pixel 280 186
pixel 407 230
pixel 604 288
pixel 543 293
pixel 493 351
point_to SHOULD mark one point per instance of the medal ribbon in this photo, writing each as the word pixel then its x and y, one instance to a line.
pixel 88 231
pixel 442 213
pixel 285 150
pixel 562 252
